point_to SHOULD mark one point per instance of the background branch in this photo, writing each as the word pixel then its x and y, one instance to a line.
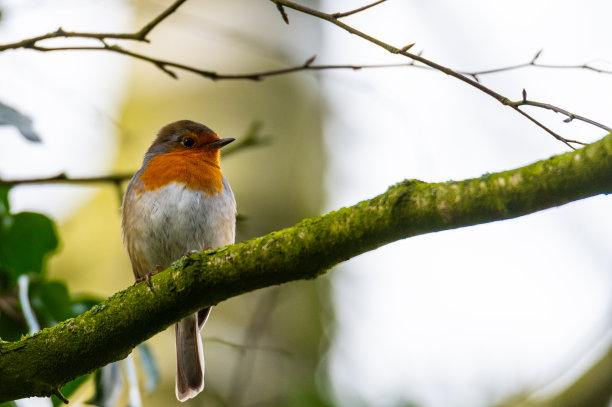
pixel 165 66
pixel 570 116
pixel 533 63
pixel 415 57
pixel 140 35
pixel 110 330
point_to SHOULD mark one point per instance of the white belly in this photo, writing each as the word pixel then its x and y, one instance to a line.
pixel 167 222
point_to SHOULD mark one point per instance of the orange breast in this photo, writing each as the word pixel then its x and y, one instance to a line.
pixel 196 170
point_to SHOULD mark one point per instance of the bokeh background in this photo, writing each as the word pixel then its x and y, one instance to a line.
pixel 457 318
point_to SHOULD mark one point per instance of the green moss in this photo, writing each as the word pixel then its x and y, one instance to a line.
pixel 111 329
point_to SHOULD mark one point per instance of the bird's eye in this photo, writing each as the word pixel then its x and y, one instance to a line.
pixel 188 142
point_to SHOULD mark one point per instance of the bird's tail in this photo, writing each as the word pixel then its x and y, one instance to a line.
pixel 189 358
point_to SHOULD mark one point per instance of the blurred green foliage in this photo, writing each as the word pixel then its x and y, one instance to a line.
pixel 26 241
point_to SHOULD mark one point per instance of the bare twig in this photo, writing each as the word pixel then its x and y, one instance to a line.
pixel 140 35
pixel 64 179
pixel 283 13
pixel 533 63
pixel 565 141
pixel 165 66
pixel 357 10
pixel 570 116
pixel 469 79
pixel 144 31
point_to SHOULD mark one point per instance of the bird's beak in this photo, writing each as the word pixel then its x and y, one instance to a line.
pixel 221 142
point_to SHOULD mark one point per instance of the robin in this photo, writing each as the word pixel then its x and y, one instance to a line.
pixel 179 202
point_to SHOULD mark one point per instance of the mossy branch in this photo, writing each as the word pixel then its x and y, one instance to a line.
pixel 39 364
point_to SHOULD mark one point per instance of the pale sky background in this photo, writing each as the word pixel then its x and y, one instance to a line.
pixel 457 318
pixel 51 89
pixel 465 317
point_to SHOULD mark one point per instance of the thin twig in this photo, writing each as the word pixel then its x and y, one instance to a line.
pixel 144 31
pixel 549 131
pixel 471 78
pixel 570 116
pixel 164 65
pixel 418 58
pixel 64 179
pixel 357 10
pixel 139 35
pixel 533 63
pixel 283 13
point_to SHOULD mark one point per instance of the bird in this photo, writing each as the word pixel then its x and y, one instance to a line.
pixel 179 202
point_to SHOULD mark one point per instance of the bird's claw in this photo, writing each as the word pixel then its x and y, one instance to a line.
pixel 147 278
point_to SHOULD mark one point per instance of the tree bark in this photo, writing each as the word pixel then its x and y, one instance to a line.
pixel 39 364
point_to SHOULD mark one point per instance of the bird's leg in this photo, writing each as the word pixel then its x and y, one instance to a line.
pixel 147 277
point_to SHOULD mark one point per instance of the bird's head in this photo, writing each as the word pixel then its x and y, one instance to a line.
pixel 188 138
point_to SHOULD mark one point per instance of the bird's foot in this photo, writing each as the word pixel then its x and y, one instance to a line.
pixel 147 278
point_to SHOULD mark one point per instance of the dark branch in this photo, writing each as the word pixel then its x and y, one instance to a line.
pixel 139 35
pixel 64 179
pixel 144 31
pixel 283 13
pixel 470 78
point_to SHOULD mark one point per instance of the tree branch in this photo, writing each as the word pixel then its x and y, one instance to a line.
pixel 110 330
pixel 535 64
pixel 140 35
pixel 144 31
pixel 570 116
pixel 165 66
pixel 417 57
